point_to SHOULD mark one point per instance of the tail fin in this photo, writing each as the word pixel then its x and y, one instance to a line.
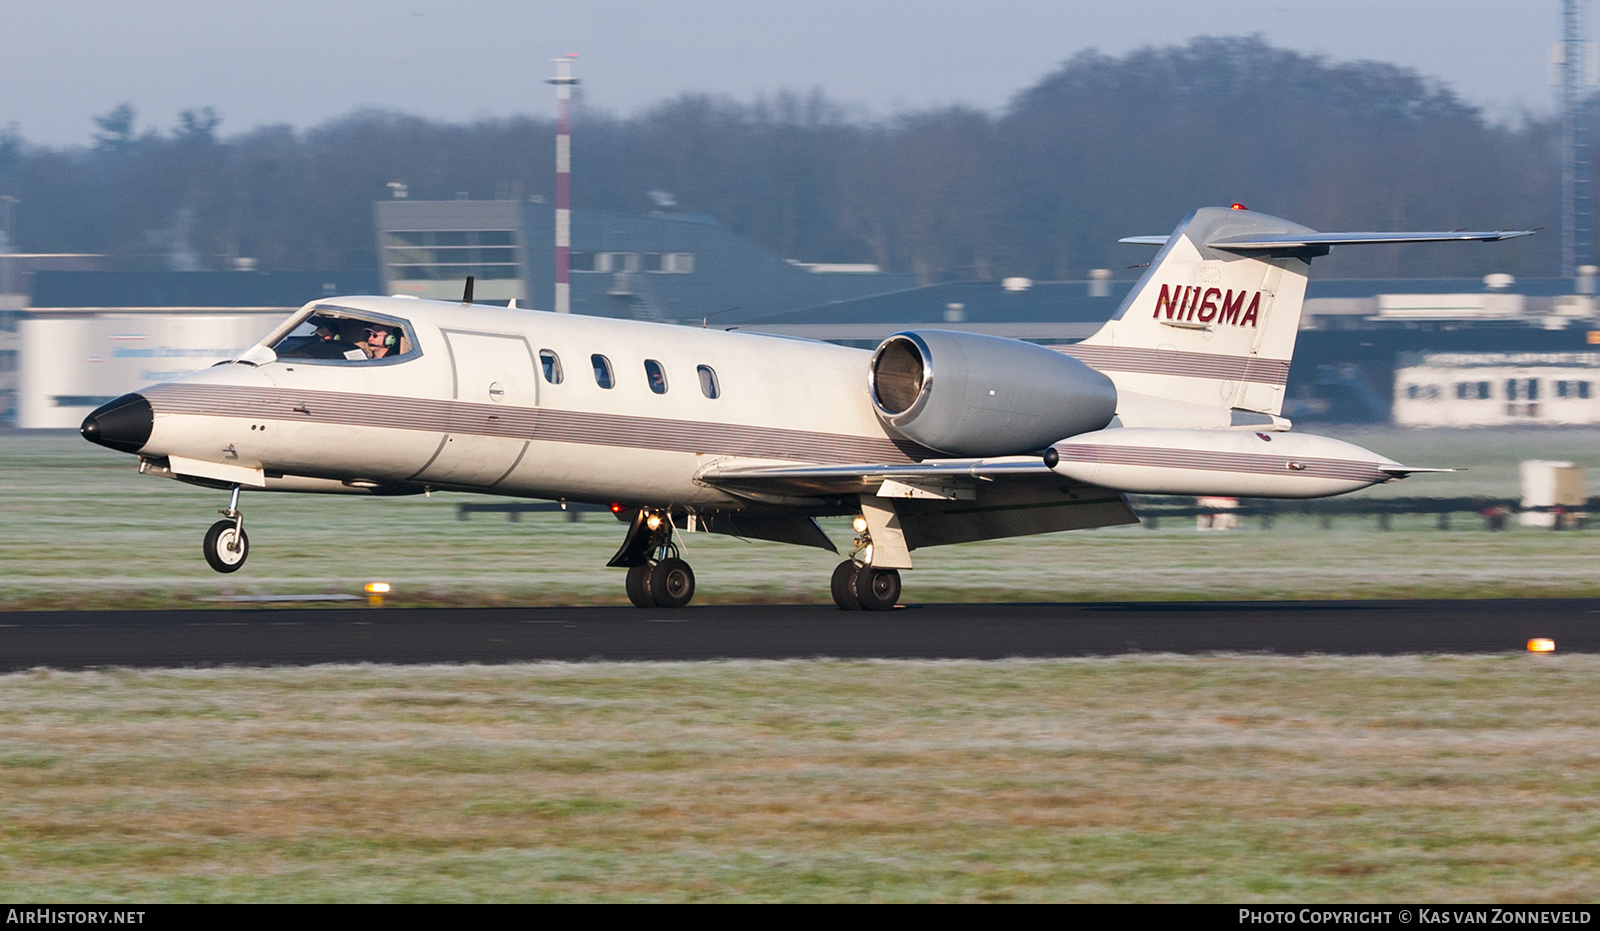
pixel 1212 324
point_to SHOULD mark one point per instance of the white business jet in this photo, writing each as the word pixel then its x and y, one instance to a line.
pixel 936 437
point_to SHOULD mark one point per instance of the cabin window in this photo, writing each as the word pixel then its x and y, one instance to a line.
pixel 602 371
pixel 340 335
pixel 708 382
pixel 656 376
pixel 551 364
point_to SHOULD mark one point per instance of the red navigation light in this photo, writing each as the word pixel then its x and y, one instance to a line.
pixel 617 508
pixel 1238 207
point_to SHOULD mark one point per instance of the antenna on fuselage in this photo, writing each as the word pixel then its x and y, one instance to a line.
pixel 466 292
pixel 715 313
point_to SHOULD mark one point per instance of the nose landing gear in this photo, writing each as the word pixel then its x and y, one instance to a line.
pixel 226 544
pixel 657 577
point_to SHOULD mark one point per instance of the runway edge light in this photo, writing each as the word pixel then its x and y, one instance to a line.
pixel 1541 645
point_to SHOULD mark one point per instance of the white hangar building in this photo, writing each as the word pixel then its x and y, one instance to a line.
pixel 92 336
pixel 1484 389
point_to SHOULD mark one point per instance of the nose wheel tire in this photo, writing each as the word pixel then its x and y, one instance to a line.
pixel 226 546
pixel 844 585
pixel 639 586
pixel 877 589
pixel 672 583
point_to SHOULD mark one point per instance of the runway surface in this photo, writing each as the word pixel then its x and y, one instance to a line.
pixel 262 637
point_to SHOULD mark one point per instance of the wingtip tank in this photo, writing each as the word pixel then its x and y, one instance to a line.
pixel 1218 462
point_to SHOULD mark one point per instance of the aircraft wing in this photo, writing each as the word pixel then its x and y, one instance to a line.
pixel 943 500
pixel 867 478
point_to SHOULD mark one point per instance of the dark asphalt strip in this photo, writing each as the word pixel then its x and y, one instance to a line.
pixel 271 637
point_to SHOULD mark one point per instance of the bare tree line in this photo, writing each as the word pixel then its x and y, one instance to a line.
pixel 1103 147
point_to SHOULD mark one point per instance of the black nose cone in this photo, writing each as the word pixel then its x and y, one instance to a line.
pixel 123 424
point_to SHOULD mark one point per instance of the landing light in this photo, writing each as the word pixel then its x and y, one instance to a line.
pixel 653 521
pixel 859 524
pixel 1541 645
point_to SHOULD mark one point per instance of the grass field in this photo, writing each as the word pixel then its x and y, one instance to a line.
pixel 1139 778
pixel 81 529
pixel 1133 778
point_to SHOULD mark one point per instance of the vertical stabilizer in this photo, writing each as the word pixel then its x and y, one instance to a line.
pixel 1206 326
pixel 1205 338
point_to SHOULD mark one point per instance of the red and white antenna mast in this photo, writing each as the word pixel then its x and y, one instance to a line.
pixel 563 82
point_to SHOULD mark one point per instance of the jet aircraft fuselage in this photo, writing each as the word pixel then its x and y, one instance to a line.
pixel 935 437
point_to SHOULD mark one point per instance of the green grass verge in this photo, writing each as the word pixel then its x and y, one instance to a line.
pixel 1139 778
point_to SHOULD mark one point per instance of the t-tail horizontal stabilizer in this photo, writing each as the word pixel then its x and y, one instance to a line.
pixel 1212 324
pixel 1306 242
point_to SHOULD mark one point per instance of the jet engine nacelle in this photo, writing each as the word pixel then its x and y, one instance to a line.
pixel 964 394
pixel 1154 461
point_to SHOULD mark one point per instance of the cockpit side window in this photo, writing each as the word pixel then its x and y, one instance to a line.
pixel 339 335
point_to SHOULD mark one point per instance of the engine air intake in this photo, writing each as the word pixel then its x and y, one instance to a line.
pixel 965 394
pixel 897 375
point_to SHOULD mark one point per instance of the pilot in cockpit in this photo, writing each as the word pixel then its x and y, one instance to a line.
pixel 326 342
pixel 378 341
pixel 335 337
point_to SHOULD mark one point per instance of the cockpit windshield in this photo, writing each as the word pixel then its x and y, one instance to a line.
pixel 339 334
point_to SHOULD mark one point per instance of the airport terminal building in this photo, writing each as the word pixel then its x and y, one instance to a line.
pixel 661 266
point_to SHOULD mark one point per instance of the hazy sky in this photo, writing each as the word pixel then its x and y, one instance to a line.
pixel 304 61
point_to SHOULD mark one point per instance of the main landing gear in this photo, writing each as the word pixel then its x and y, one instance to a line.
pixel 657 577
pixel 857 586
pixel 862 588
pixel 226 544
